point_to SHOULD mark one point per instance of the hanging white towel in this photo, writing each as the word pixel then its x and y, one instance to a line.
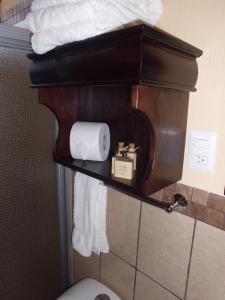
pixel 90 204
pixel 58 22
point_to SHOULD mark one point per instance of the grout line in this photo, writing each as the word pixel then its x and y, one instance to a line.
pixel 158 283
pixel 135 280
pixel 138 238
pixel 189 265
pixel 122 259
pixel 135 267
pixel 139 228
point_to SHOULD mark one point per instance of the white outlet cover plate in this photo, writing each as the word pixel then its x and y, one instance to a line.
pixel 202 151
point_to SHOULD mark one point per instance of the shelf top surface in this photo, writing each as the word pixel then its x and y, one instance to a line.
pixel 135 32
pixel 101 171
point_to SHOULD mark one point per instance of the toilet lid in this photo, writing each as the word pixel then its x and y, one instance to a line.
pixel 88 289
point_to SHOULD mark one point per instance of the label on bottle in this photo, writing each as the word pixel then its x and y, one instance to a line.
pixel 133 156
pixel 124 168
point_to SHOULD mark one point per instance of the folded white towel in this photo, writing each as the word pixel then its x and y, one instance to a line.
pixel 90 203
pixel 40 4
pixel 61 15
pixel 73 20
pixel 145 6
pixel 122 12
pixel 45 41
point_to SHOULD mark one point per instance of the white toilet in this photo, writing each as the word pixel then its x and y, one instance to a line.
pixel 89 289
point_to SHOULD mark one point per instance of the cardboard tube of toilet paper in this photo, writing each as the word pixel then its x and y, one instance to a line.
pixel 90 141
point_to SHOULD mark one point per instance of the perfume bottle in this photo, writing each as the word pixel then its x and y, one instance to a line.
pixel 124 168
pixel 132 154
pixel 120 149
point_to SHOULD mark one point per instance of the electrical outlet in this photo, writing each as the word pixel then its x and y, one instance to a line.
pixel 200 160
pixel 202 151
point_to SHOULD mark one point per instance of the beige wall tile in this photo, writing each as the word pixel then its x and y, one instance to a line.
pixel 207 272
pixel 86 266
pixel 117 275
pixel 164 247
pixel 123 214
pixel 146 289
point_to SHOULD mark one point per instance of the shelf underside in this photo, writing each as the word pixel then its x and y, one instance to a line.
pixel 102 171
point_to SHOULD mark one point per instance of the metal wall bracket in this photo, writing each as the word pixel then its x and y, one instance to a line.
pixel 178 200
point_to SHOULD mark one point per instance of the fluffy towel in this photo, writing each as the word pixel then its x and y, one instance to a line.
pixel 119 11
pixel 72 20
pixel 145 5
pixel 61 15
pixel 40 4
pixel 90 198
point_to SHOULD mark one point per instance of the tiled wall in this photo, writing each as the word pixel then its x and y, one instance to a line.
pixel 202 206
pixel 160 256
pixel 17 13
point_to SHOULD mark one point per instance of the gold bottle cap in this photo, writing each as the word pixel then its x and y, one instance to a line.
pixel 121 145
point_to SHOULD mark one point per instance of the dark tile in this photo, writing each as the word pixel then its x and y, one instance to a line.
pixel 168 193
pixel 200 196
pixel 216 202
pixel 185 190
pixel 214 218
pixel 158 195
pixel 197 211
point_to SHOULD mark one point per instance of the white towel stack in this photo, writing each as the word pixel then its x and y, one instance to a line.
pixel 57 22
pixel 90 203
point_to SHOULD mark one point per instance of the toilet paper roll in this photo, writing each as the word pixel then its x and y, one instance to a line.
pixel 90 141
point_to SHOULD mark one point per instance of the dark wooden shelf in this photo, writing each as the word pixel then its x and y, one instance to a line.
pixel 136 55
pixel 102 171
pixel 136 80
